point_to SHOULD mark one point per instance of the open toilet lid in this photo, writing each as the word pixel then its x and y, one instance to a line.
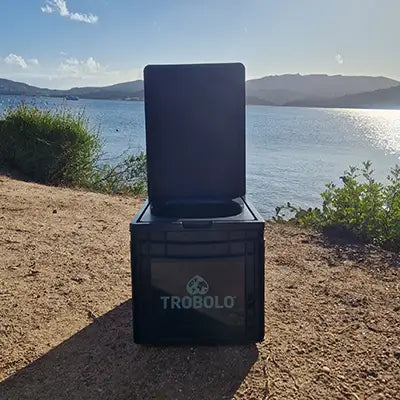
pixel 195 131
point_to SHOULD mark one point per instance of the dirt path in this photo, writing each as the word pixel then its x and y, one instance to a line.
pixel 332 313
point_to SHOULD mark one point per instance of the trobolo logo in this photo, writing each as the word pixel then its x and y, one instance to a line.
pixel 197 288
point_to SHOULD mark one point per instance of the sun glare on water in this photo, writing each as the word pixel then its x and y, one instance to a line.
pixel 379 127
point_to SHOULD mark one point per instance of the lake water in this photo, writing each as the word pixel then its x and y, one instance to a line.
pixel 291 152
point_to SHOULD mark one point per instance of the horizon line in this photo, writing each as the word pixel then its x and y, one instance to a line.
pixel 247 80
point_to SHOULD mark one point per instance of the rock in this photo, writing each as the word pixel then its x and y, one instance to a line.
pixel 91 315
pixel 326 369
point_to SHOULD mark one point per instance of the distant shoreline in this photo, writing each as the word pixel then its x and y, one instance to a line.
pixel 290 90
pixel 366 107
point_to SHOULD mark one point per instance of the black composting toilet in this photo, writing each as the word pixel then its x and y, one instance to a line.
pixel 197 246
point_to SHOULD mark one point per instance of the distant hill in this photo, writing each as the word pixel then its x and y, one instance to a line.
pixel 283 90
pixel 11 87
pixel 125 91
pixel 383 98
pixel 120 91
pixel 257 101
pixel 287 89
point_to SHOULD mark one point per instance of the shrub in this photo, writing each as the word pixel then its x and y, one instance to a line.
pixel 54 147
pixel 127 177
pixel 57 147
pixel 363 207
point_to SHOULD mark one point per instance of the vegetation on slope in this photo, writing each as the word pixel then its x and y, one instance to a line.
pixel 57 147
pixel 368 209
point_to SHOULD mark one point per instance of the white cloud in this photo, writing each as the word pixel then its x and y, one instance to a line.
pixel 92 65
pixel 90 19
pixel 13 59
pixel 80 68
pixel 339 59
pixel 47 9
pixel 70 72
pixel 68 69
pixel 60 6
pixel 72 61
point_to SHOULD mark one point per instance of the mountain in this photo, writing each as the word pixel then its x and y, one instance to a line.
pixel 383 98
pixel 120 91
pixel 11 87
pixel 126 91
pixel 287 89
pixel 283 90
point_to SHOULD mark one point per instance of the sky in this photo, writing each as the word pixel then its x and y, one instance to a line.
pixel 66 43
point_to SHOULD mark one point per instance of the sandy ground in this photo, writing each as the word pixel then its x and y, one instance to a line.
pixel 332 313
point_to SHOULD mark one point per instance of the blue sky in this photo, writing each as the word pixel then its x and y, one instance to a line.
pixel 64 43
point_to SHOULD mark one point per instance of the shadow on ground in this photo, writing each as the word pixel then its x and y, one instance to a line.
pixel 102 362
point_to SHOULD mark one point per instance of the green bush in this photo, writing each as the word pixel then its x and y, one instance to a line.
pixel 127 177
pixel 57 147
pixel 54 147
pixel 362 206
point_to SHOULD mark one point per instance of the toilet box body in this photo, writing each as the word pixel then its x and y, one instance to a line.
pixel 198 281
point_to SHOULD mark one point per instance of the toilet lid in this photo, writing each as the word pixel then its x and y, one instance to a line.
pixel 195 131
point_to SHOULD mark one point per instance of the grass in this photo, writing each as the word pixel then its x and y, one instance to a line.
pixel 54 147
pixel 57 147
